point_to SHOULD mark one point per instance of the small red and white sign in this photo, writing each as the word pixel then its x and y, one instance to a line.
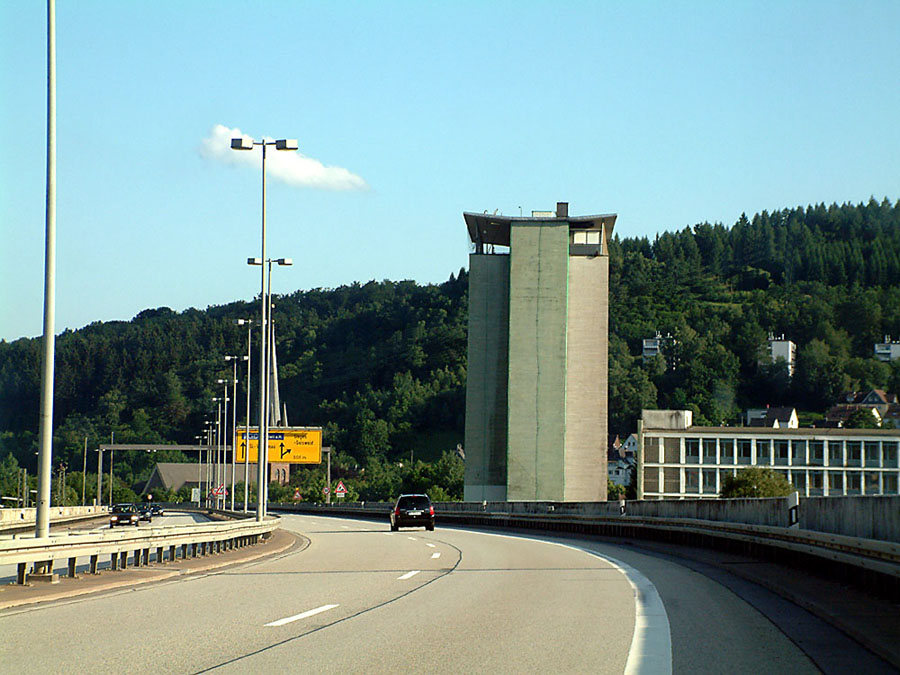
pixel 340 490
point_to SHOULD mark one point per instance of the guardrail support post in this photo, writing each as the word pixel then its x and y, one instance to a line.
pixel 95 559
pixel 194 551
pixel 123 560
pixel 114 562
pixel 22 574
pixel 172 553
pixel 71 571
pixel 159 555
pixel 145 554
pixel 137 558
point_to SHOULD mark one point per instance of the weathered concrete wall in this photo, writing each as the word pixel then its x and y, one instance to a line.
pixel 487 373
pixel 871 517
pixel 587 388
pixel 539 255
pixel 9 517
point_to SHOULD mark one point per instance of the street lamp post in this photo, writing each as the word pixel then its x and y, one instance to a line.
pixel 199 439
pixel 247 143
pixel 268 343
pixel 218 401
pixel 233 382
pixel 249 324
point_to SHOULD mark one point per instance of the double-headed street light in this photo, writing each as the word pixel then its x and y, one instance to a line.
pixel 234 382
pixel 249 324
pixel 220 481
pixel 268 341
pixel 247 143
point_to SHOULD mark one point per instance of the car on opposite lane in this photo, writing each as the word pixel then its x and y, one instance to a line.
pixel 124 514
pixel 157 510
pixel 146 512
pixel 413 510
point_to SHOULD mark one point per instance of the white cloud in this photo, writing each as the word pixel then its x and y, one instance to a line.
pixel 293 168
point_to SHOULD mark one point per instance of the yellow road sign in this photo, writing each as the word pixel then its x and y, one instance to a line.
pixel 291 445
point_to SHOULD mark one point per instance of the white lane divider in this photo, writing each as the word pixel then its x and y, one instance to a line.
pixel 408 575
pixel 435 555
pixel 304 615
pixel 430 545
pixel 412 539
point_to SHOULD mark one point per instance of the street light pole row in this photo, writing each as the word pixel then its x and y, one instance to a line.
pixel 247 143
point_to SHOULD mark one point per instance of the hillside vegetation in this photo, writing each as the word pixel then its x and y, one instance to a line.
pixel 382 365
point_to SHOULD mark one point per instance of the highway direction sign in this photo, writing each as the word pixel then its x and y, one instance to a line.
pixel 290 445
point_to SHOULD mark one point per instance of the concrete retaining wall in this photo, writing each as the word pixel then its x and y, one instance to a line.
pixel 868 517
pixel 10 517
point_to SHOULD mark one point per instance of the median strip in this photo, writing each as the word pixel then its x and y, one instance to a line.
pixel 304 615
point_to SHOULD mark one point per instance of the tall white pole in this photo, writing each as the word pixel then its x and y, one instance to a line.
pixel 45 458
pixel 84 474
pixel 247 433
pixel 233 427
pixel 263 436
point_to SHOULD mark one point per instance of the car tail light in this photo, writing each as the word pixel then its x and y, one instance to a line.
pixel 431 510
pixel 397 511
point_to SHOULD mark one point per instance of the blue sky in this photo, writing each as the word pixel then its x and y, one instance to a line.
pixel 408 114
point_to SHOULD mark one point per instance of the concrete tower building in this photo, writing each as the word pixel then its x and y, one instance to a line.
pixel 537 390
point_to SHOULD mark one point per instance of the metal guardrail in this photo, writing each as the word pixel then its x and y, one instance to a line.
pixel 193 540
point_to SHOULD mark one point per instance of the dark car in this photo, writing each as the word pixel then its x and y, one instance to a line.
pixel 157 510
pixel 146 513
pixel 124 514
pixel 412 511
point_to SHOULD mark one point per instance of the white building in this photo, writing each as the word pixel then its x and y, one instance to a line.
pixel 677 460
pixel 783 349
pixel 887 350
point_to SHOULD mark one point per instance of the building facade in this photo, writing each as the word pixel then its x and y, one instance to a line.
pixel 677 460
pixel 536 394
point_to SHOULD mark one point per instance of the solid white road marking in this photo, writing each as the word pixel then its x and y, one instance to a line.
pixel 408 575
pixel 651 642
pixel 435 555
pixel 305 615
pixel 430 545
pixel 412 538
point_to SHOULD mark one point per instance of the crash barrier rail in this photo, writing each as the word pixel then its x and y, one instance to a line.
pixel 862 561
pixel 192 540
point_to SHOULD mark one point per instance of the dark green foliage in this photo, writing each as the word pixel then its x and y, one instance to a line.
pixel 756 481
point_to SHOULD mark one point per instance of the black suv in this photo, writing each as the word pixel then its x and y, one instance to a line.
pixel 412 511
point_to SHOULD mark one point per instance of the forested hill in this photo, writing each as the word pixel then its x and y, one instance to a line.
pixel 382 365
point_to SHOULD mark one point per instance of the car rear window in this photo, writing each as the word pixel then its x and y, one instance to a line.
pixel 414 503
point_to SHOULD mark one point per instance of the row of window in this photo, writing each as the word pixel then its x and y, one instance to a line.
pixel 810 483
pixel 791 452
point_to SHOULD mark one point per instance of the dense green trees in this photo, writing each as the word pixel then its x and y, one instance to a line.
pixel 382 365
pixel 756 481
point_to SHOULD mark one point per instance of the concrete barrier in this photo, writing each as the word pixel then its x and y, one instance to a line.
pixel 15 517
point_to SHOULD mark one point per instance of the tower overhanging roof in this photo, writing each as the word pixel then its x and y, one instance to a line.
pixel 485 228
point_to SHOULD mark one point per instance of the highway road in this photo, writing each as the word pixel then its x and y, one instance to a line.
pixel 360 599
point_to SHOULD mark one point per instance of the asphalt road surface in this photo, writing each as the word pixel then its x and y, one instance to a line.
pixel 361 599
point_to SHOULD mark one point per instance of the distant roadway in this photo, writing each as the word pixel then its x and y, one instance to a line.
pixel 361 599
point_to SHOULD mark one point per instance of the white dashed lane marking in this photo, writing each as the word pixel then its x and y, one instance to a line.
pixel 304 615
pixel 408 575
